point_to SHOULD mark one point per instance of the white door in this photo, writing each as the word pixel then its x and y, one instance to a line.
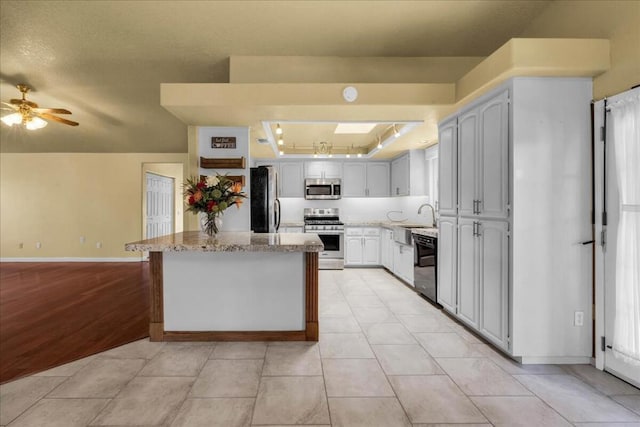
pixel 628 205
pixel 494 269
pixel 371 250
pixel 447 168
pixel 447 255
pixel 291 179
pixel 160 205
pixel 354 183
pixel 378 181
pixel 353 250
pixel 467 162
pixel 493 155
pixel 468 276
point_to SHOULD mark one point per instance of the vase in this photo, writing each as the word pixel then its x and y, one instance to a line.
pixel 210 224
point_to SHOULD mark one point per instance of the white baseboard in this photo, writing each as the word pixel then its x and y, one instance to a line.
pixel 70 259
pixel 556 360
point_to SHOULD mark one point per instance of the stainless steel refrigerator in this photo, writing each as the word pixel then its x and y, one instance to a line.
pixel 265 206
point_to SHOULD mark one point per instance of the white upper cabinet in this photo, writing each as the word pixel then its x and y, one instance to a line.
pixel 378 180
pixel 467 164
pixel 431 174
pixel 448 168
pixel 365 179
pixel 493 156
pixel 483 159
pixel 400 176
pixel 291 179
pixel 323 169
pixel 354 183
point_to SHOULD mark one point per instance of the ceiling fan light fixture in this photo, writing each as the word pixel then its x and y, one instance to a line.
pixel 12 119
pixel 35 123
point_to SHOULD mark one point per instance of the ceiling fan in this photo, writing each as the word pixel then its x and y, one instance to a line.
pixel 28 114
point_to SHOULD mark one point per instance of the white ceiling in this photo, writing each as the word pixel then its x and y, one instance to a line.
pixel 105 60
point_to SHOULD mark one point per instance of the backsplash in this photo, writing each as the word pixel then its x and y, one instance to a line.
pixel 361 208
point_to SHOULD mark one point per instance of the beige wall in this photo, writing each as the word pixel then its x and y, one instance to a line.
pixel 55 198
pixel 618 21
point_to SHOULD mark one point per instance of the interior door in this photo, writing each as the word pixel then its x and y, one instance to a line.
pixel 160 205
pixel 607 205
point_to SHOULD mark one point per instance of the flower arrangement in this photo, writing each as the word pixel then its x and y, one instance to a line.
pixel 211 195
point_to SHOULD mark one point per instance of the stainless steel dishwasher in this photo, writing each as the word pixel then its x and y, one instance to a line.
pixel 425 266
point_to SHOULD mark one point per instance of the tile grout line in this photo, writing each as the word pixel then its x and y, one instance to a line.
pixel 111 399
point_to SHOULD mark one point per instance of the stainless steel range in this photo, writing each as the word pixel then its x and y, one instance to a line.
pixel 327 225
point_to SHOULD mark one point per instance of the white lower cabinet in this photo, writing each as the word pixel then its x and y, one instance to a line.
pixel 362 246
pixel 403 262
pixel 447 266
pixel 386 249
pixel 482 277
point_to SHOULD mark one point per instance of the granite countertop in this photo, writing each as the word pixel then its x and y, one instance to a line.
pixel 385 224
pixel 232 241
pixel 426 231
pixel 292 224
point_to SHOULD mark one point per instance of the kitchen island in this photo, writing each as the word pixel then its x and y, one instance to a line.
pixel 234 286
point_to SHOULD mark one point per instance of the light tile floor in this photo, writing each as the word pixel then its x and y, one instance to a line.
pixel 385 358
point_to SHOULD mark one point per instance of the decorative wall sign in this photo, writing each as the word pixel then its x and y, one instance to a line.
pixel 223 142
pixel 237 163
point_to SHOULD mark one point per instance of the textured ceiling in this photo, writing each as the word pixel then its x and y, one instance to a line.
pixel 105 60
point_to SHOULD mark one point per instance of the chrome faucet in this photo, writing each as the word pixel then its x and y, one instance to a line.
pixel 433 213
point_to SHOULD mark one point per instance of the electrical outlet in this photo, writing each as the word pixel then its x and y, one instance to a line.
pixel 82 239
pixel 99 245
pixel 38 245
pixel 578 318
pixel 20 245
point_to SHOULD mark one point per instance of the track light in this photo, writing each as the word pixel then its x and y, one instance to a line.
pixel 379 143
pixel 359 154
pixel 280 141
pixel 395 131
pixel 278 129
pixel 281 152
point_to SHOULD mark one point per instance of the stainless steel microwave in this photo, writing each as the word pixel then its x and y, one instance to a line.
pixel 322 189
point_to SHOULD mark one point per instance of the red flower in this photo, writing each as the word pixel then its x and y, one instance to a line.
pixel 211 204
pixel 201 184
pixel 192 200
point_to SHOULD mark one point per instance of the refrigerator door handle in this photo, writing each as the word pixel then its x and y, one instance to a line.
pixel 278 212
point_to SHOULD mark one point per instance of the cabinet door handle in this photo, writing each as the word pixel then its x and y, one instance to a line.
pixel 474 223
pixel 478 206
pixel 478 230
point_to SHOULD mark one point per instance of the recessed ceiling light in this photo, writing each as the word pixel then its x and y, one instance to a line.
pixel 354 128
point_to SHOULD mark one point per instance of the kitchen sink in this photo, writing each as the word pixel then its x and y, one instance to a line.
pixel 402 234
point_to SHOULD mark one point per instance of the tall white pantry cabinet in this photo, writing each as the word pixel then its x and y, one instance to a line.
pixel 515 207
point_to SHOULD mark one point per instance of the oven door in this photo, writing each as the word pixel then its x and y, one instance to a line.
pixel 333 244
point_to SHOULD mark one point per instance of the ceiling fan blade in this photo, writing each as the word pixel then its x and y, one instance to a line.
pixel 57 119
pixel 13 107
pixel 24 101
pixel 52 110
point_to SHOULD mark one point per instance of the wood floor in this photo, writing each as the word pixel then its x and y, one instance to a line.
pixel 53 313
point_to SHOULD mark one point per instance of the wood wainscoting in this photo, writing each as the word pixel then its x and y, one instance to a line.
pixel 54 313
